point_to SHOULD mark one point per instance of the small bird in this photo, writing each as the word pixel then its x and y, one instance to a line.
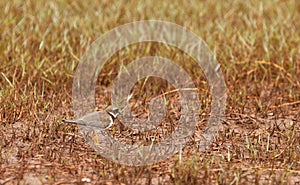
pixel 98 119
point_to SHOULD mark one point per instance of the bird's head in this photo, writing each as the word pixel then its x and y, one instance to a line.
pixel 113 111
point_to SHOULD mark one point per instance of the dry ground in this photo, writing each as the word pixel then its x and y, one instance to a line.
pixel 257 44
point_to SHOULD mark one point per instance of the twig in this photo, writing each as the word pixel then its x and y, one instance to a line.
pixel 285 104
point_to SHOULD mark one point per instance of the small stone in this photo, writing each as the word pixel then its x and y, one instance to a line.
pixel 86 179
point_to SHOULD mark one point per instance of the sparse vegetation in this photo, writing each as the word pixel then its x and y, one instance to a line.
pixel 257 44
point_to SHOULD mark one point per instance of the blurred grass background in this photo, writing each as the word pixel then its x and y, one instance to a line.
pixel 256 43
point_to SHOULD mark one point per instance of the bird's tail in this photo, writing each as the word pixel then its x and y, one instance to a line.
pixel 72 122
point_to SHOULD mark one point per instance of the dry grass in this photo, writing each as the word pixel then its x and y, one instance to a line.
pixel 256 43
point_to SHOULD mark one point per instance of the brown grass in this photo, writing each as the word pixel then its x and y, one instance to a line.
pixel 256 43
